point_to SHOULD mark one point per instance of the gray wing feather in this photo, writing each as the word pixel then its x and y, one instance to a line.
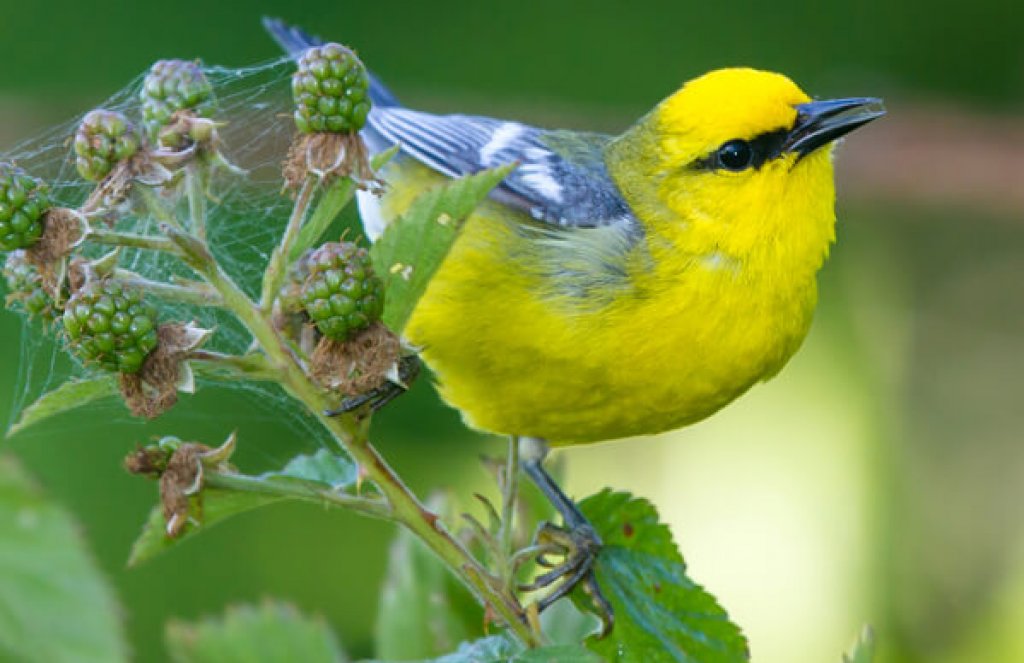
pixel 561 178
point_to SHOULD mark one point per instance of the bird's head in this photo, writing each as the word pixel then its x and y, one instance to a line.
pixel 744 157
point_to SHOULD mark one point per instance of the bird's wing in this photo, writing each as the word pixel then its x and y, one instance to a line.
pixel 561 177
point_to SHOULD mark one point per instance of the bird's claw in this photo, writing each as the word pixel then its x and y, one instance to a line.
pixel 579 547
pixel 408 369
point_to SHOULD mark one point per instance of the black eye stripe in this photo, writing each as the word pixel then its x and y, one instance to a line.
pixel 763 148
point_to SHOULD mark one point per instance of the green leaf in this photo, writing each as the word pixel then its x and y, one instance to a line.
pixel 268 633
pixel 211 506
pixel 323 467
pixel 863 650
pixel 320 471
pixel 414 246
pixel 70 395
pixel 424 612
pixel 54 603
pixel 335 198
pixel 660 614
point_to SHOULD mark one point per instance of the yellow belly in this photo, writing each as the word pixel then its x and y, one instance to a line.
pixel 665 353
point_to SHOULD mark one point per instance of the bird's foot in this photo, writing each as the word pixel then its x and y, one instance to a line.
pixel 578 548
pixel 408 369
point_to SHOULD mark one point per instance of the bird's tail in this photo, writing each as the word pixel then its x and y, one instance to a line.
pixel 295 40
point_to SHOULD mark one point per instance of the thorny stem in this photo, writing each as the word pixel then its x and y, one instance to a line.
pixel 367 506
pixel 350 437
pixel 509 491
pixel 277 269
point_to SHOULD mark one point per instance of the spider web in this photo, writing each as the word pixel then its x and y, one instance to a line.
pixel 245 218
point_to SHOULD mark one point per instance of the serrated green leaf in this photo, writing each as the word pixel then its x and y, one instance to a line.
pixel 424 612
pixel 268 633
pixel 335 198
pixel 660 614
pixel 322 470
pixel 70 395
pixel 863 650
pixel 414 246
pixel 54 603
pixel 212 506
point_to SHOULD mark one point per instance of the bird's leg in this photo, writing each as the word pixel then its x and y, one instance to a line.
pixel 576 539
pixel 408 369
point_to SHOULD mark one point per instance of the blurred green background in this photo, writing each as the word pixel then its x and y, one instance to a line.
pixel 879 479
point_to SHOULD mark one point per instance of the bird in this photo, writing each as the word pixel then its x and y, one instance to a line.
pixel 616 286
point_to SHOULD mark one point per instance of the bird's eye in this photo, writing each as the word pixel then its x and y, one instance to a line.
pixel 735 155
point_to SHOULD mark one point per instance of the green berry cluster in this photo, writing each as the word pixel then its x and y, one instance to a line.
pixel 103 139
pixel 110 324
pixel 171 86
pixel 26 288
pixel 342 294
pixel 23 202
pixel 330 89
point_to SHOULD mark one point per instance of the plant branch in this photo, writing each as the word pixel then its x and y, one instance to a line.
pixel 195 186
pixel 192 292
pixel 509 491
pixel 367 506
pixel 156 208
pixel 350 436
pixel 217 365
pixel 280 260
pixel 131 240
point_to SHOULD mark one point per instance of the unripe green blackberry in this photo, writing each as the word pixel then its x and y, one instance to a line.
pixel 103 139
pixel 342 294
pixel 171 86
pixel 110 324
pixel 331 91
pixel 25 288
pixel 23 202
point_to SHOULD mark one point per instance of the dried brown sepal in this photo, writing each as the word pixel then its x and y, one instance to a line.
pixel 179 468
pixel 147 461
pixel 154 389
pixel 329 156
pixel 358 365
pixel 182 477
pixel 113 190
pixel 62 231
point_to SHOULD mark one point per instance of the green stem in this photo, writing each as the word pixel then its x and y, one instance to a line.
pixel 195 185
pixel 367 506
pixel 156 208
pixel 277 269
pixel 131 240
pixel 195 293
pixel 217 365
pixel 509 492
